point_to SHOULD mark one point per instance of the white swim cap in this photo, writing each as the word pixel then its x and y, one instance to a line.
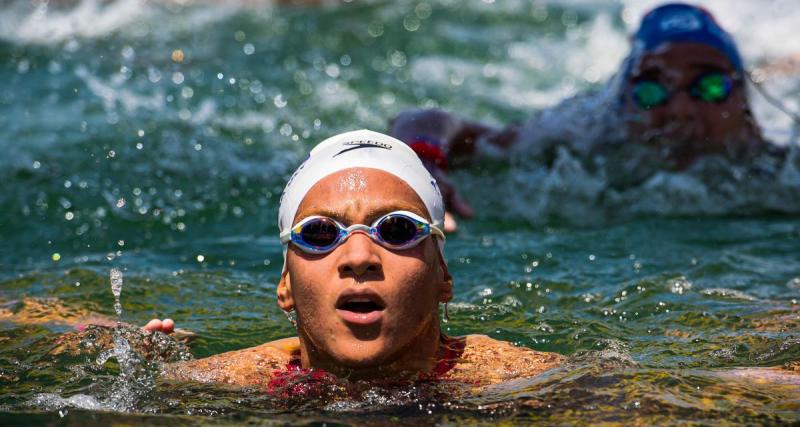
pixel 360 149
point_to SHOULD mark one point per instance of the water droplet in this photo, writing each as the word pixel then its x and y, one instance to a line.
pixel 411 23
pixel 423 10
pixel 116 289
pixel 248 49
pixel 128 52
pixel 177 55
pixel 279 101
pixel 375 29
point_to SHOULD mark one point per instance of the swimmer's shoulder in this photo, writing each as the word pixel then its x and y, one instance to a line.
pixel 249 367
pixel 788 374
pixel 490 361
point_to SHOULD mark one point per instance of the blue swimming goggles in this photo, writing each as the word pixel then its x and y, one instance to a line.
pixel 397 230
pixel 711 87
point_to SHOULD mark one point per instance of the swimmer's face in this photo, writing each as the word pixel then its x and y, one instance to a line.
pixel 363 305
pixel 683 120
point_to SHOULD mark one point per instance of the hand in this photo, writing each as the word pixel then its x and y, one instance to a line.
pixel 166 326
pixel 452 200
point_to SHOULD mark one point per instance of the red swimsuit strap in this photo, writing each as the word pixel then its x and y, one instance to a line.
pixel 452 351
pixel 431 150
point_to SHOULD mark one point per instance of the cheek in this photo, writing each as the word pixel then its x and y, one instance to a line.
pixel 311 290
pixel 731 113
pixel 419 282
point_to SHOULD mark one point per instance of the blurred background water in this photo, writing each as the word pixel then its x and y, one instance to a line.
pixel 155 137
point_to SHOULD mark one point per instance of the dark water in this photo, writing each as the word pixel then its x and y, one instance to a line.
pixel 156 139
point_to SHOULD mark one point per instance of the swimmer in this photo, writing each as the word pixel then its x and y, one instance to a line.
pixel 680 90
pixel 684 86
pixel 364 274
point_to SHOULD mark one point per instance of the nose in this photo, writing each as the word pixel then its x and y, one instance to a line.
pixel 683 108
pixel 358 256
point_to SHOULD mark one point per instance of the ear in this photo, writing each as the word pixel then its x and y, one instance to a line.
pixel 285 298
pixel 446 287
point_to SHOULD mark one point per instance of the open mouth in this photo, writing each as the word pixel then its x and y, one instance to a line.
pixel 360 305
pixel 360 308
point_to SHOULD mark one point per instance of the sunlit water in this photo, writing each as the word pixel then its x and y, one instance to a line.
pixel 154 138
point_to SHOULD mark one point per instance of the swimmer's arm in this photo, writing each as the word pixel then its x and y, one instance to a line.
pixel 458 136
pixel 249 367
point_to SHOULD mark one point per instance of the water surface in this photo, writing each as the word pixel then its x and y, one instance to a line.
pixel 155 139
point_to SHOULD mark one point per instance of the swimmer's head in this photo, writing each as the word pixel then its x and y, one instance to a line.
pixel 368 302
pixel 684 23
pixel 366 149
pixel 682 86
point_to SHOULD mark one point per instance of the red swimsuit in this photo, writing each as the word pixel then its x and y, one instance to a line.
pixel 295 380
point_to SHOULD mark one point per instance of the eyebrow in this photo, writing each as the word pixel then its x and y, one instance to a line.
pixel 372 214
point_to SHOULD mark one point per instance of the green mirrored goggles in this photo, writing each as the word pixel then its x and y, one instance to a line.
pixel 711 87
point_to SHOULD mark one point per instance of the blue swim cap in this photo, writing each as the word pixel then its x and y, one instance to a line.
pixel 680 22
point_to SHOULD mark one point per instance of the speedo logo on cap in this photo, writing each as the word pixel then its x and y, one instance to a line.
pixel 355 145
pixel 680 23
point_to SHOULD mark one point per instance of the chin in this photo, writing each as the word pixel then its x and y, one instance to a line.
pixel 358 354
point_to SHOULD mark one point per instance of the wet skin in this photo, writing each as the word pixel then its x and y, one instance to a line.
pixel 685 126
pixel 405 287
pixel 399 337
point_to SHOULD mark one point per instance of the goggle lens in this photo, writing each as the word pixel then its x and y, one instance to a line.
pixel 649 94
pixel 397 230
pixel 712 88
pixel 320 233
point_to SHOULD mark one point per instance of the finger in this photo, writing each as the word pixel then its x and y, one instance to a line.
pixel 167 326
pixel 153 325
pixel 450 224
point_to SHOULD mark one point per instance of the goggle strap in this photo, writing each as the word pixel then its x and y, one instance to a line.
pixel 436 231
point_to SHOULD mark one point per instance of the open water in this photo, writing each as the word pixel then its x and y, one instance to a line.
pixel 145 145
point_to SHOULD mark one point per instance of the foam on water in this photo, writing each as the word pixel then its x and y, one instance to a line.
pixel 41 22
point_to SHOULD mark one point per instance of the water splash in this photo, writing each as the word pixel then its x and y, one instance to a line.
pixel 116 289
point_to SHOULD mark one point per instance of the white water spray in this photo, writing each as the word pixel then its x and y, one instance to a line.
pixel 116 289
